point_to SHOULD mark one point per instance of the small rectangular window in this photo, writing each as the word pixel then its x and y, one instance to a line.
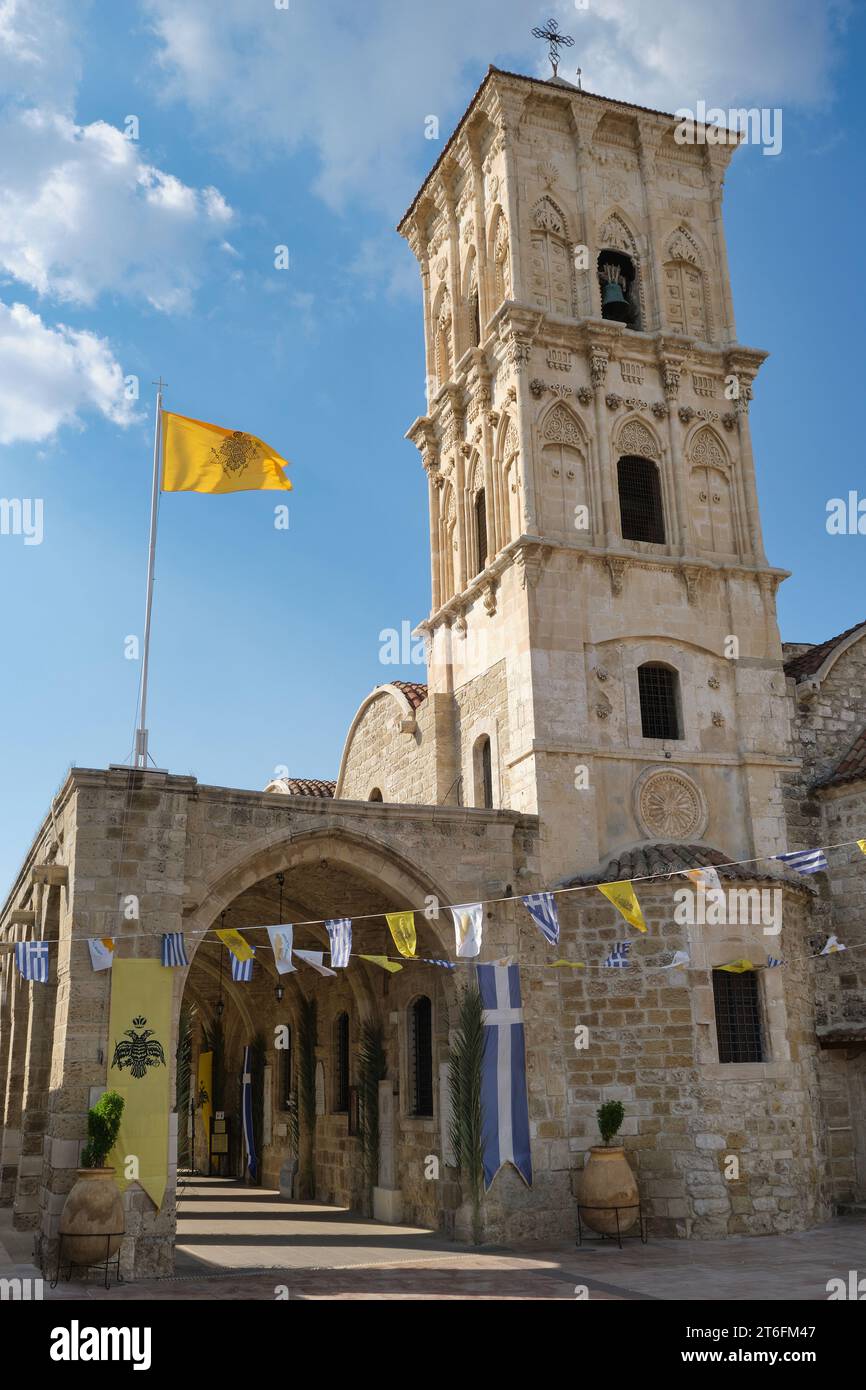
pixel 738 1016
pixel 659 715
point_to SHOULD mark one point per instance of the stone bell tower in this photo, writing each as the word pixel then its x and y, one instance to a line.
pixel 603 614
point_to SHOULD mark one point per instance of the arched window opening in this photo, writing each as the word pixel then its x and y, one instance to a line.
pixel 640 500
pixel 341 1064
pixel 474 316
pixel 484 773
pixel 617 279
pixel 375 795
pixel 421 1056
pixel 481 529
pixel 659 701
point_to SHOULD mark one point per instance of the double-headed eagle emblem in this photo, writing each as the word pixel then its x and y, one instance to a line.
pixel 139 1053
pixel 235 452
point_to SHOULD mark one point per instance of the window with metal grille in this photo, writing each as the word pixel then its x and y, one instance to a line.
pixel 341 1063
pixel 421 1055
pixel 640 500
pixel 481 529
pixel 659 712
pixel 738 1016
pixel 286 1074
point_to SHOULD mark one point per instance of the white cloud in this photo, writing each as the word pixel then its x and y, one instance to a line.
pixel 39 59
pixel 49 376
pixel 357 88
pixel 82 213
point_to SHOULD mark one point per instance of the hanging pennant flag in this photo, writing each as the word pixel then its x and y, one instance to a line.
pixel 680 958
pixel 468 926
pixel 862 844
pixel 831 945
pixel 773 961
pixel 704 878
pixel 173 949
pixel 281 942
pixel 386 964
pixel 242 970
pixel 572 964
pixel 446 964
pixel 504 1101
pixel 542 909
pixel 101 950
pixel 314 958
pixel 141 1069
pixel 340 936
pixel 402 928
pixel 618 958
pixel 624 899
pixel 247 1111
pixel 235 942
pixel 31 957
pixel 200 457
pixel 737 967
pixel 805 861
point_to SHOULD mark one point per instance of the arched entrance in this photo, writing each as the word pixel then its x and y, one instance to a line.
pixel 313 1039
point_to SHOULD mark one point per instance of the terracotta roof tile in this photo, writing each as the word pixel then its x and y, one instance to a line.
pixel 808 662
pixel 302 786
pixel 415 691
pixel 851 768
pixel 661 860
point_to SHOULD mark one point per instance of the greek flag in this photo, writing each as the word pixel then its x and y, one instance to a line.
pixel 247 1112
pixel 805 861
pixel 618 958
pixel 446 964
pixel 542 909
pixel 173 949
pixel 340 934
pixel 773 961
pixel 242 970
pixel 31 957
pixel 504 1101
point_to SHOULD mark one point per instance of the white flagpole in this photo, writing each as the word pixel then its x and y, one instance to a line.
pixel 141 753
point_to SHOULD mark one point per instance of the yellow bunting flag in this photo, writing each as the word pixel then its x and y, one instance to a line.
pixel 198 457
pixel 737 967
pixel 572 964
pixel 624 899
pixel 862 844
pixel 140 1070
pixel 386 964
pixel 235 942
pixel 204 1097
pixel 402 928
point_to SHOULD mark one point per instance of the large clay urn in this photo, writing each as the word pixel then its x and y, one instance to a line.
pixel 92 1209
pixel 607 1181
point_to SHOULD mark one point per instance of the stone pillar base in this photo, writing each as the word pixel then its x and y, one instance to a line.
pixel 388 1205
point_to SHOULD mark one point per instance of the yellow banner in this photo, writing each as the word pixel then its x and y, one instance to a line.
pixel 572 964
pixel 198 457
pixel 139 1069
pixel 386 964
pixel 624 899
pixel 402 927
pixel 205 1095
pixel 737 967
pixel 862 844
pixel 235 942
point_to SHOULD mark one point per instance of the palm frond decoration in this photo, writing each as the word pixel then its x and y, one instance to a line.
pixel 307 1038
pixel 464 1083
pixel 257 1075
pixel 372 1068
pixel 213 1040
pixel 183 1095
pixel 294 1124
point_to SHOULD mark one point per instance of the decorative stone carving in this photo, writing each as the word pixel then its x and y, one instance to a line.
pixel 686 414
pixel 706 451
pixel 616 568
pixel 518 352
pixel 560 427
pixel 511 393
pixel 546 217
pixel 672 374
pixel 584 395
pixel 602 711
pixel 612 400
pixel 615 236
pixel 600 673
pixel 681 247
pixel 632 372
pixel 548 173
pixel 490 599
pixel 561 391
pixel 704 385
pixel 559 359
pixel 537 387
pixel 598 360
pixel 714 683
pixel 635 438
pixel 669 806
pixel 692 575
pixel 729 420
pixel 633 403
pixel 659 410
pixel 718 719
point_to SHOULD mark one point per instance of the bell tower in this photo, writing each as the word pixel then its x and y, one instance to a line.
pixel 603 614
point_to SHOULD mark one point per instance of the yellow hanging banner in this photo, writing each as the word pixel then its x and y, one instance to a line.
pixel 205 1096
pixel 737 967
pixel 139 1069
pixel 624 899
pixel 235 942
pixel 862 844
pixel 402 928
pixel 386 964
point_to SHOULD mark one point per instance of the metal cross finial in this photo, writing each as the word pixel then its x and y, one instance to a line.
pixel 553 37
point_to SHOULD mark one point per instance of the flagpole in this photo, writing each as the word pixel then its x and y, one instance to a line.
pixel 141 751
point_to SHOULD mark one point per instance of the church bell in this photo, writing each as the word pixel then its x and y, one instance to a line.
pixel 614 304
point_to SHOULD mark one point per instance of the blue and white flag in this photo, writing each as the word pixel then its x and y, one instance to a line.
pixel 31 957
pixel 340 935
pixel 173 949
pixel 446 964
pixel 247 1111
pixel 504 1101
pixel 805 861
pixel 542 909
pixel 468 927
pixel 618 958
pixel 680 959
pixel 242 970
pixel 314 958
pixel 773 961
pixel 101 950
pixel 281 943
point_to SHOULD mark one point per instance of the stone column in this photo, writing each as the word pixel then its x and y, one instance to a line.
pixel 387 1197
pixel 19 1023
pixel 36 1074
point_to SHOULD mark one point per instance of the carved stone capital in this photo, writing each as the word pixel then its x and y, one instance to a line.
pixel 616 568
pixel 692 575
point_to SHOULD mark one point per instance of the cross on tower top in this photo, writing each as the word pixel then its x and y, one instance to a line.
pixel 552 35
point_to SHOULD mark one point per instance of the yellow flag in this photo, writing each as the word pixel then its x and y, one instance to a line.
pixel 737 967
pixel 386 964
pixel 235 942
pixel 862 844
pixel 402 926
pixel 198 457
pixel 205 1095
pixel 624 899
pixel 139 1069
pixel 573 964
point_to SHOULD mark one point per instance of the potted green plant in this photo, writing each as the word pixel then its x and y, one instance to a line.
pixel 92 1220
pixel 607 1190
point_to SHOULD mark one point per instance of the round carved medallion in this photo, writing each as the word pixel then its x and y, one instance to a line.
pixel 669 806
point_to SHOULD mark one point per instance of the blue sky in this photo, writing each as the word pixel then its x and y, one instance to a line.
pixel 304 127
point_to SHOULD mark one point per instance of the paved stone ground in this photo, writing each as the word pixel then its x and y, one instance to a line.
pixel 237 1243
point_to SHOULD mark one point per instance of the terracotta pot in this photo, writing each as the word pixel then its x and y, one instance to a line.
pixel 607 1181
pixel 92 1209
